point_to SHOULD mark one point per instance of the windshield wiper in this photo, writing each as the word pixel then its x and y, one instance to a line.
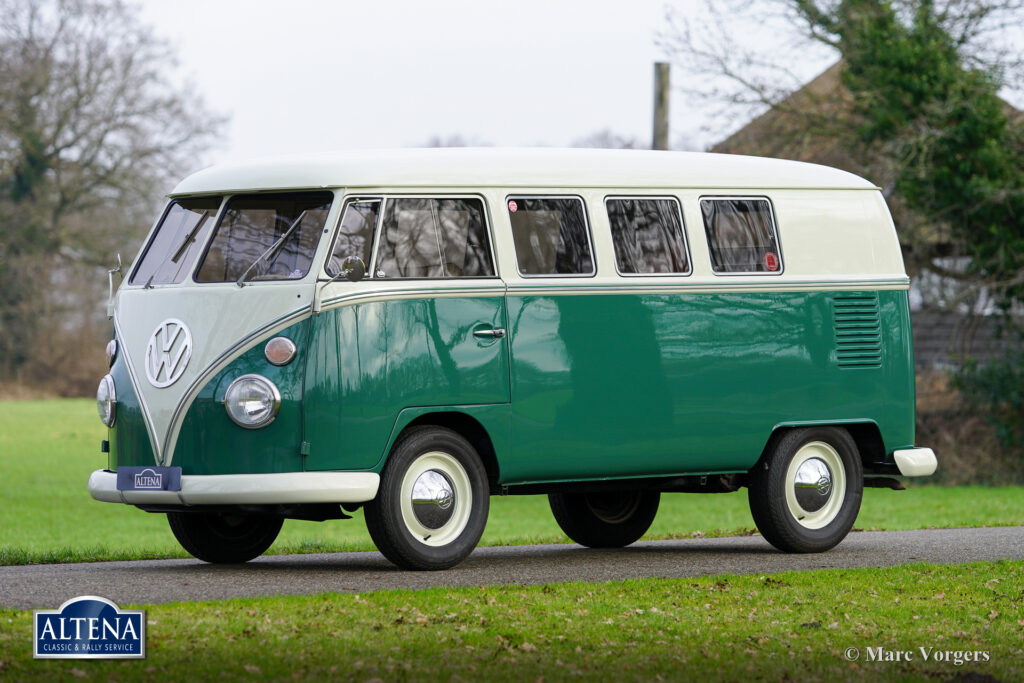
pixel 271 251
pixel 189 238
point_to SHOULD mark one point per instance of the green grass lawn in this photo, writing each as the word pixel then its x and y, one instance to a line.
pixel 789 626
pixel 49 448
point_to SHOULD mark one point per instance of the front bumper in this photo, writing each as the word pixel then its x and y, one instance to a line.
pixel 246 489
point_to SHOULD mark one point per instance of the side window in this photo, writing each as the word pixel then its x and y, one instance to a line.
pixel 551 237
pixel 177 242
pixel 648 235
pixel 355 234
pixel 434 237
pixel 741 234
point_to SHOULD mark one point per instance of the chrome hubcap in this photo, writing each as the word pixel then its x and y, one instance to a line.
pixel 813 484
pixel 436 499
pixel 433 499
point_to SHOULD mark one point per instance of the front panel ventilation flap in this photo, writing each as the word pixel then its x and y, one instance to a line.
pixel 858 329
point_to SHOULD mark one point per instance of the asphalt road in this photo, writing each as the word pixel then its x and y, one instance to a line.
pixel 156 581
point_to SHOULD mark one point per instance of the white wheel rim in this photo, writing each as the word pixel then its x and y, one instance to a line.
pixel 808 462
pixel 425 468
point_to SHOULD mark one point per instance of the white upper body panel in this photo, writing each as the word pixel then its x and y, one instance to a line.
pixel 463 167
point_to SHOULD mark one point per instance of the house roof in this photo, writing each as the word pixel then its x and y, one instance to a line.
pixel 799 128
pixel 809 124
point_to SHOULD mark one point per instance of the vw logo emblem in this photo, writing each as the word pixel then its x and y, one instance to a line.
pixel 444 499
pixel 168 352
pixel 824 486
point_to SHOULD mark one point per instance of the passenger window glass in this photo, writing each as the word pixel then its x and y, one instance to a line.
pixel 648 235
pixel 266 237
pixel 550 234
pixel 355 234
pixel 434 237
pixel 177 241
pixel 741 235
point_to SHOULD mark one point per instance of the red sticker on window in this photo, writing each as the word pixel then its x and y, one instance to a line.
pixel 771 261
pixel 512 206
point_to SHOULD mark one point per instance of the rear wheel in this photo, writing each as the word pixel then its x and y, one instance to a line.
pixel 224 538
pixel 432 505
pixel 805 492
pixel 611 519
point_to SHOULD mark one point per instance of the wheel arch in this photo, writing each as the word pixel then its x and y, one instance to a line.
pixel 865 433
pixel 462 423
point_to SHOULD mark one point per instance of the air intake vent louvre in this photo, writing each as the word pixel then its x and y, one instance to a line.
pixel 858 331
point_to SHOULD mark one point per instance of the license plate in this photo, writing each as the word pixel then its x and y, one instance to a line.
pixel 148 478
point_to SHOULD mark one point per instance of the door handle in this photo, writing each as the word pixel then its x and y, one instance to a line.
pixel 496 333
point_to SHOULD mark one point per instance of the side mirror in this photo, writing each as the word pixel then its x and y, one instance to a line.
pixel 353 269
pixel 110 285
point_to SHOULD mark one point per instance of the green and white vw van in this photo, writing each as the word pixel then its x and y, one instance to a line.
pixel 412 332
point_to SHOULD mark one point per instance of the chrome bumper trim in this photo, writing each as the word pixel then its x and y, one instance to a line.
pixel 246 489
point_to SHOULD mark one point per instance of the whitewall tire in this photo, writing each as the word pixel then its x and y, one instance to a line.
pixel 432 505
pixel 806 490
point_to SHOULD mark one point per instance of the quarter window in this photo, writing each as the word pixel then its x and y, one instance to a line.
pixel 435 238
pixel 648 235
pixel 550 235
pixel 742 235
pixel 177 241
pixel 355 234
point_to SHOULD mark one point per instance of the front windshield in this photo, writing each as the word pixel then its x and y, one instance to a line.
pixel 266 237
pixel 177 241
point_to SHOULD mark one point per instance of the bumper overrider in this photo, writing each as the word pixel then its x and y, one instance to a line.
pixel 245 489
pixel 915 462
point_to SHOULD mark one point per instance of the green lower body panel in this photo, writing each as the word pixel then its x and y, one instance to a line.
pixel 129 437
pixel 640 385
pixel 581 386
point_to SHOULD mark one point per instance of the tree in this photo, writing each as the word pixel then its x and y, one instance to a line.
pixel 921 81
pixel 91 125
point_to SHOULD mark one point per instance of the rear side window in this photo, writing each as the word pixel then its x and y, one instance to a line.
pixel 551 236
pixel 742 235
pixel 177 242
pixel 434 237
pixel 266 237
pixel 648 235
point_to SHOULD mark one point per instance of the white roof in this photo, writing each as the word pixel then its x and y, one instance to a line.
pixel 533 167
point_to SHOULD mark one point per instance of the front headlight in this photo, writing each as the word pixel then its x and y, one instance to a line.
pixel 106 401
pixel 252 401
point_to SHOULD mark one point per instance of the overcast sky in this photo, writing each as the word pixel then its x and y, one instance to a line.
pixel 304 75
pixel 311 75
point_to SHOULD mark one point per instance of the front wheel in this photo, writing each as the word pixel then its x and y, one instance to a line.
pixel 611 519
pixel 432 505
pixel 224 538
pixel 805 492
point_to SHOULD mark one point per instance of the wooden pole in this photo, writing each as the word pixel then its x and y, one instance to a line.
pixel 659 138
